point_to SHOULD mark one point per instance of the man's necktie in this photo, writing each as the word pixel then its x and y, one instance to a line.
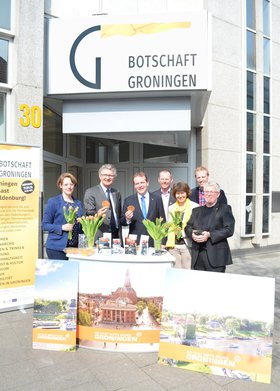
pixel 143 207
pixel 114 221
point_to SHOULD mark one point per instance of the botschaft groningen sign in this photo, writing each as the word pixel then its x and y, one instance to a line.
pixel 147 53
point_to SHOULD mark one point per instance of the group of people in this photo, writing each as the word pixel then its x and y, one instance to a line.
pixel 199 243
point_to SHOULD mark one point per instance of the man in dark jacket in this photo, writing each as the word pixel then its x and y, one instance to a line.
pixel 197 193
pixel 165 180
pixel 209 227
pixel 141 205
pixel 94 201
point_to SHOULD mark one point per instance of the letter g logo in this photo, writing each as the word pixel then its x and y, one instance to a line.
pixel 97 84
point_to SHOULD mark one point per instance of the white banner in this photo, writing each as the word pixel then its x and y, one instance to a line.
pixel 163 52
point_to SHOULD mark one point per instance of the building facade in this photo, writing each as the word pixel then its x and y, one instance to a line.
pixel 224 114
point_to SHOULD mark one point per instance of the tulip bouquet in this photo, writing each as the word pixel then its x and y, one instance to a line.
pixel 176 223
pixel 70 216
pixel 90 225
pixel 157 230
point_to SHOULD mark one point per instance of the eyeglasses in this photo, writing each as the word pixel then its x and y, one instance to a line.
pixel 210 192
pixel 108 175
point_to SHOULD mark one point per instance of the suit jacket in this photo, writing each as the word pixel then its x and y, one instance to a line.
pixel 93 202
pixel 53 220
pixel 222 199
pixel 136 226
pixel 220 226
pixel 171 200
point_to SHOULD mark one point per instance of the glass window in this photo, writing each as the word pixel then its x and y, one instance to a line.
pixel 4 45
pixel 266 134
pixel 250 177
pixel 106 151
pixel 266 93
pixel 5 14
pixel 162 154
pixel 266 17
pixel 251 50
pixel 251 132
pixel 2 117
pixel 266 161
pixel 266 56
pixel 51 174
pixel 250 14
pixel 78 173
pixel 250 215
pixel 52 136
pixel 251 90
pixel 265 222
pixel 75 146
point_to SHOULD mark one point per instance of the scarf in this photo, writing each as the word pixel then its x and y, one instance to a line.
pixel 187 210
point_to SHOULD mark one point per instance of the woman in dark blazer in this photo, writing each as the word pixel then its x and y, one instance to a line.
pixel 54 221
pixel 209 227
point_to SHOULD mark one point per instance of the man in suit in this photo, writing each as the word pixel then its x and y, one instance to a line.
pixel 140 206
pixel 165 180
pixel 96 195
pixel 209 227
pixel 197 193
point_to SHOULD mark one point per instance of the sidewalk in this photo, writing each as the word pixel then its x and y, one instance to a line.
pixel 25 369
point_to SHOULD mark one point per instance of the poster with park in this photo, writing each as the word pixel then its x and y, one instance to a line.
pixel 55 305
pixel 219 324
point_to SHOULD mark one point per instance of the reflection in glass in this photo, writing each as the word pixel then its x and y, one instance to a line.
pixel 5 14
pixel 163 154
pixel 106 150
pixel 250 215
pixel 266 161
pixel 266 134
pixel 52 137
pixel 251 50
pixel 51 174
pixel 251 132
pixel 266 92
pixel 251 90
pixel 75 146
pixel 250 14
pixel 78 173
pixel 4 45
pixel 266 17
pixel 2 117
pixel 266 56
pixel 265 220
pixel 250 173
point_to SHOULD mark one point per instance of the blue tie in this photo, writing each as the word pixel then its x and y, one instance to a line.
pixel 143 206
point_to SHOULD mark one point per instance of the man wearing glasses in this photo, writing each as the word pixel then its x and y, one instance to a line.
pixel 94 201
pixel 209 227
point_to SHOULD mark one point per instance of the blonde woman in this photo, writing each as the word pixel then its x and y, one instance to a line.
pixel 180 212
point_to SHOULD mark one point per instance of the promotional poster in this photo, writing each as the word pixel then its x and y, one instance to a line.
pixel 120 305
pixel 219 324
pixel 19 211
pixel 55 305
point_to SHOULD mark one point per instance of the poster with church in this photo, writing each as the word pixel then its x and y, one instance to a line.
pixel 220 324
pixel 120 305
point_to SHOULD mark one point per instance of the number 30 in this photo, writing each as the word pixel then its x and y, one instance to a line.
pixel 32 116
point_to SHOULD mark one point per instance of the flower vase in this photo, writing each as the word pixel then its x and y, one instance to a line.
pixel 157 247
pixel 90 242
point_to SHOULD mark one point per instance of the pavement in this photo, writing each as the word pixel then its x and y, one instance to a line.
pixel 25 369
